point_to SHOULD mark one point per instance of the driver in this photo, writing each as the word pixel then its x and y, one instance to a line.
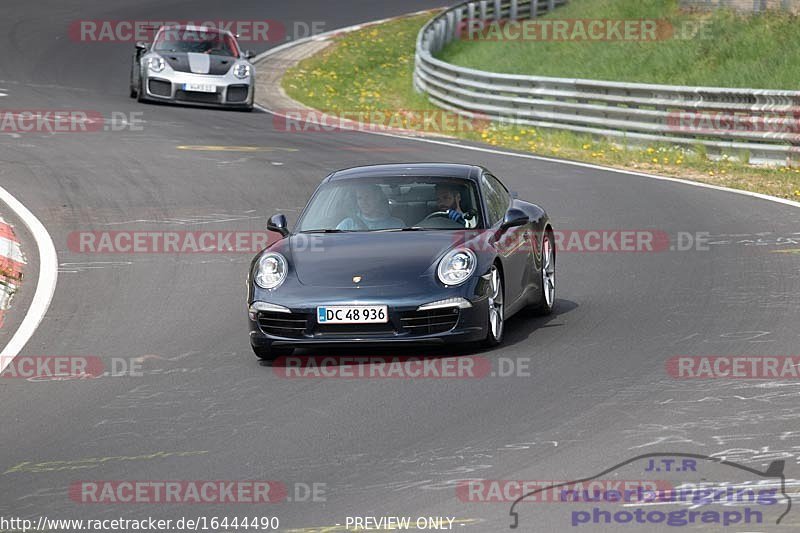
pixel 373 211
pixel 448 200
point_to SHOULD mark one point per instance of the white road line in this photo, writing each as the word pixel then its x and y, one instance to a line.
pixel 325 35
pixel 46 285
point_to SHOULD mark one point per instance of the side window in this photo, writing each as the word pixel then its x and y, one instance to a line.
pixel 496 197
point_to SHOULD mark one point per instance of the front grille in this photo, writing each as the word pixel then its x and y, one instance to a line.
pixel 292 325
pixel 237 93
pixel 430 322
pixel 350 330
pixel 160 87
pixel 193 96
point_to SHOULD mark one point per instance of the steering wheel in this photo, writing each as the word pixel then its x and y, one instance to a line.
pixel 437 214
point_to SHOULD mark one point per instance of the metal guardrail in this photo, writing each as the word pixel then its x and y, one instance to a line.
pixel 761 125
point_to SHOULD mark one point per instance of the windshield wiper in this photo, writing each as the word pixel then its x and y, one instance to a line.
pixel 325 231
pixel 410 228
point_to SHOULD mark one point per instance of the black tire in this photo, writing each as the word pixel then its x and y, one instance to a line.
pixel 140 92
pixel 494 333
pixel 547 301
pixel 271 353
pixel 133 93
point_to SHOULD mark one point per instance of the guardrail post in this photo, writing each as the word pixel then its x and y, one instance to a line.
pixel 442 35
pixel 459 25
pixel 534 9
pixel 483 10
pixel 551 5
pixel 451 27
pixel 512 12
pixel 498 12
pixel 436 43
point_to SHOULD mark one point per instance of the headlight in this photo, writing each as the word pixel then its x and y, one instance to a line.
pixel 457 266
pixel 271 271
pixel 241 71
pixel 155 63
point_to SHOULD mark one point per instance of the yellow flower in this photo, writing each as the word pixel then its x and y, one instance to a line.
pixel 655 160
pixel 587 146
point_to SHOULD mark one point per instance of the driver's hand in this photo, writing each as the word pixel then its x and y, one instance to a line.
pixel 455 216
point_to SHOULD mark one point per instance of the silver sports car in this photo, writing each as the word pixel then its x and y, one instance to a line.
pixel 193 64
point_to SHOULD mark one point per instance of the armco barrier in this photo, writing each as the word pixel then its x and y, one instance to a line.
pixel 763 125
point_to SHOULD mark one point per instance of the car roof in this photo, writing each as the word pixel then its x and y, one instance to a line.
pixel 430 170
pixel 195 28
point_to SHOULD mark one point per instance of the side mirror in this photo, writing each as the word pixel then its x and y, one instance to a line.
pixel 514 217
pixel 142 46
pixel 277 223
pixel 249 54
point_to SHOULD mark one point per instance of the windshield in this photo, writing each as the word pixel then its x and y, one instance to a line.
pixel 195 40
pixel 393 203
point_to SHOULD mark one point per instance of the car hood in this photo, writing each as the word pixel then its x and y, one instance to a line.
pixel 199 63
pixel 381 259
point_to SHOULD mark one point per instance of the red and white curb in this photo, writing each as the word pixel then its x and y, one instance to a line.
pixel 12 262
pixel 45 281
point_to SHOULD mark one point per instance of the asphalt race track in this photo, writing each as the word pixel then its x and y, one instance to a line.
pixel 206 409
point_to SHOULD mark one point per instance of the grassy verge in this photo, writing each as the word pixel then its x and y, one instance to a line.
pixel 370 72
pixel 719 48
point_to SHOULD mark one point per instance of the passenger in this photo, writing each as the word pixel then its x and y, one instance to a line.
pixel 373 211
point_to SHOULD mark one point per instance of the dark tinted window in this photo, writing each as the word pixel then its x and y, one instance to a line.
pixel 496 197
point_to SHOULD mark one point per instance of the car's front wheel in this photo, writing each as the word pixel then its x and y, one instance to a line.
pixel 132 86
pixel 270 353
pixel 496 318
pixel 140 90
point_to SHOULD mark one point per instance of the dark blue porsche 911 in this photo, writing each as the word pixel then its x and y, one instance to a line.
pixel 408 253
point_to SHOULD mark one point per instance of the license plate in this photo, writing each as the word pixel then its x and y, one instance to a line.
pixel 199 87
pixel 353 314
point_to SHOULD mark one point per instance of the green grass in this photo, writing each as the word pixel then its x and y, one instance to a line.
pixel 731 50
pixel 371 71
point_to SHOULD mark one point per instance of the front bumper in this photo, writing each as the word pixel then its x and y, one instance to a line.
pixel 406 325
pixel 169 87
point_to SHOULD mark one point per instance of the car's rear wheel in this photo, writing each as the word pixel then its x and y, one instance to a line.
pixel 547 293
pixel 496 318
pixel 271 353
